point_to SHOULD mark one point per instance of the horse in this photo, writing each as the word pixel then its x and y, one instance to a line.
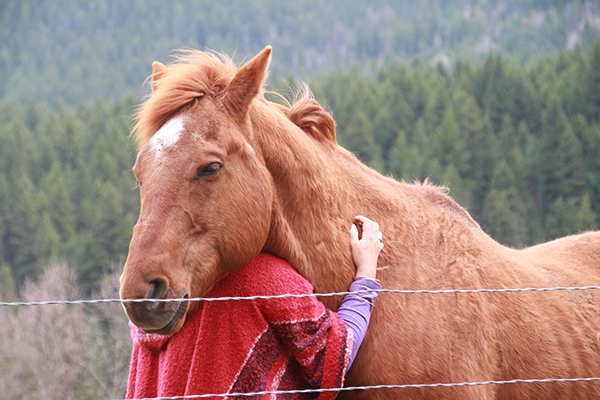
pixel 225 174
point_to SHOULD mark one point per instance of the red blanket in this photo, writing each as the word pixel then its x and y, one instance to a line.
pixel 246 345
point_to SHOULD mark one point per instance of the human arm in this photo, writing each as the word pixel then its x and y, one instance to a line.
pixel 356 309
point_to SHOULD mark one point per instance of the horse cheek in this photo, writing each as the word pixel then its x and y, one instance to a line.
pixel 248 218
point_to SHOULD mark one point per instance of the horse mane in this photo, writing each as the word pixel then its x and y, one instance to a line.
pixel 193 75
pixel 196 74
pixel 308 115
pixel 438 195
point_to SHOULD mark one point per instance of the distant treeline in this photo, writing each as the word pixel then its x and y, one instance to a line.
pixel 518 146
pixel 78 50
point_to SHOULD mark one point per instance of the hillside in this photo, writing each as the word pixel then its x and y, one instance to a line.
pixel 78 50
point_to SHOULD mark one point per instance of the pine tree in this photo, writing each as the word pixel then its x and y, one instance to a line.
pixel 400 157
pixel 21 225
pixel 508 149
pixel 504 211
pixel 459 190
pixel 471 127
pixel 586 218
pixel 449 145
pixel 493 90
pixel 589 136
pixel 419 155
pixel 108 240
pixel 562 171
pixel 593 84
pixel 561 219
pixel 438 101
pixel 358 138
pixel 55 202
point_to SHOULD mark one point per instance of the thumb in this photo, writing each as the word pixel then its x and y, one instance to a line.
pixel 353 234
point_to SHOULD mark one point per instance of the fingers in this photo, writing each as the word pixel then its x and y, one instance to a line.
pixel 370 228
pixel 365 251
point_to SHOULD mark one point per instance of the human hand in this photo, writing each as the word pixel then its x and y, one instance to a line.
pixel 365 250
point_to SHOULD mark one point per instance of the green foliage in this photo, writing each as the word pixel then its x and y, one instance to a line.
pixel 518 154
pixel 504 211
pixel 562 170
pixel 593 85
pixel 65 188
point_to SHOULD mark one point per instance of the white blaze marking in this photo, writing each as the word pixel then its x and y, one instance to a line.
pixel 167 135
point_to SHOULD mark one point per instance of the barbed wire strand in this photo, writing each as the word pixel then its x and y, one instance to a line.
pixel 210 299
pixel 400 291
pixel 409 386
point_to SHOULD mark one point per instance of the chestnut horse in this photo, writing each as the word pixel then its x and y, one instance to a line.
pixel 225 174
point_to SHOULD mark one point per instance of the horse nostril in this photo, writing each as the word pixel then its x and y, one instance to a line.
pixel 157 289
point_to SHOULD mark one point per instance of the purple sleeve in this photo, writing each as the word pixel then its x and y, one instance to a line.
pixel 356 309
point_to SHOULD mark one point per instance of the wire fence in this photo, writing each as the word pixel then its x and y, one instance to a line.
pixel 212 299
pixel 347 389
pixel 344 389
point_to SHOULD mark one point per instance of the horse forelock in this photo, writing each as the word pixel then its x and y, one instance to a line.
pixel 193 75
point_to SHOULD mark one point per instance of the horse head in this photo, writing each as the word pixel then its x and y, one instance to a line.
pixel 203 188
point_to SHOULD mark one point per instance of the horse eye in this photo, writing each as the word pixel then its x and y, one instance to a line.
pixel 208 170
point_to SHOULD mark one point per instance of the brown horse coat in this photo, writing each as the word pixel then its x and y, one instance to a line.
pixel 225 174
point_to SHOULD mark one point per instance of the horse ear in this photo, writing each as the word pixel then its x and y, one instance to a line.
pixel 246 83
pixel 158 71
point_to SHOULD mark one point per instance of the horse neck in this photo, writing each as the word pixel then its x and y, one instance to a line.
pixel 318 190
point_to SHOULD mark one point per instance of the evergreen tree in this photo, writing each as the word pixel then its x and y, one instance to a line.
pixel 504 211
pixel 562 218
pixel 21 224
pixel 400 158
pixel 391 117
pixel 562 161
pixel 438 101
pixel 358 138
pixel 493 90
pixel 509 149
pixel 458 189
pixel 585 218
pixel 108 241
pixel 533 178
pixel 472 132
pixel 593 84
pixel 589 136
pixel 420 154
pixel 55 203
pixel 449 145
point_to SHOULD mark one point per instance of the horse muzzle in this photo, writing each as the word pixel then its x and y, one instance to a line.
pixel 152 311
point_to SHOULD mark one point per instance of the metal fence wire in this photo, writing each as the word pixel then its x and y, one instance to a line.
pixel 344 389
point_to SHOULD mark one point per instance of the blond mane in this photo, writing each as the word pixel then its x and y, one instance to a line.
pixel 193 75
pixel 308 115
pixel 196 74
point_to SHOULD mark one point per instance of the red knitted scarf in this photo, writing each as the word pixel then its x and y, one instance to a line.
pixel 247 345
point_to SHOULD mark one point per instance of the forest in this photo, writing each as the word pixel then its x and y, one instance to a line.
pixel 497 100
pixel 517 146
pixel 77 50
